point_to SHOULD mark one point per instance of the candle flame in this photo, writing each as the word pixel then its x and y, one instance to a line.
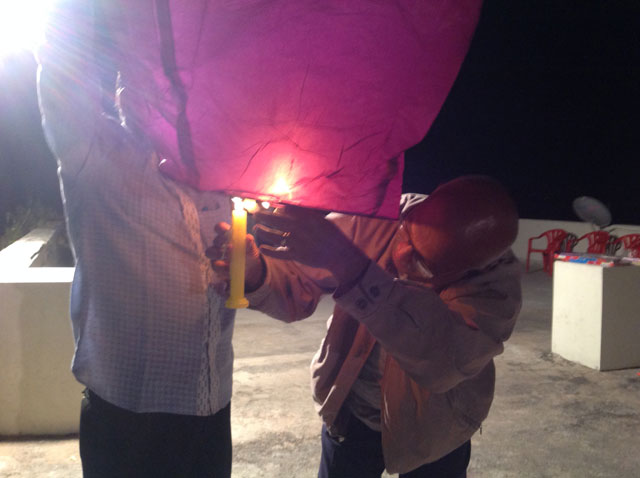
pixel 237 203
pixel 250 205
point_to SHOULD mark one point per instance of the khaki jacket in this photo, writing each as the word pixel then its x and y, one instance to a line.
pixel 438 381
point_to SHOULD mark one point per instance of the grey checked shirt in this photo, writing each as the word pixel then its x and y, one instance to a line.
pixel 151 334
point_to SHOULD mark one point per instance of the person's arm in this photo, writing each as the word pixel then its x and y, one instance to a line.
pixel 69 86
pixel 290 291
pixel 283 289
pixel 279 284
pixel 297 275
pixel 439 339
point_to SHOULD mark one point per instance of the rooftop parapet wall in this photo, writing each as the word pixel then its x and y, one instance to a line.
pixel 38 393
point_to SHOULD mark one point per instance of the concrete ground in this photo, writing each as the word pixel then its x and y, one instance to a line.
pixel 551 418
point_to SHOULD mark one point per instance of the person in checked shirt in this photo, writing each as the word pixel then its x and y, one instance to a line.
pixel 152 335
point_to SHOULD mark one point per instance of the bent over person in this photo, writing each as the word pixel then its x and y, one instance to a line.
pixel 405 374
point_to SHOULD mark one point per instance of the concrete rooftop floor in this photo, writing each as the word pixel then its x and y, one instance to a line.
pixel 550 418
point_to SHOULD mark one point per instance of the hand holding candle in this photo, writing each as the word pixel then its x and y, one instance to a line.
pixel 290 233
pixel 253 270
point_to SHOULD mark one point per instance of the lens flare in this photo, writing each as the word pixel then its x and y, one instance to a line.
pixel 22 24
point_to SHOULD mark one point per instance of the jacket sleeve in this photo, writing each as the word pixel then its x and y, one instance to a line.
pixel 69 86
pixel 290 290
pixel 439 339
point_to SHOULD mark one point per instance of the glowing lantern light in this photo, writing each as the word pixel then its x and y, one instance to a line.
pixel 276 100
pixel 237 93
pixel 281 189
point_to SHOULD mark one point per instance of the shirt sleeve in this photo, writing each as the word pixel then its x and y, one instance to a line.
pixel 69 86
pixel 439 339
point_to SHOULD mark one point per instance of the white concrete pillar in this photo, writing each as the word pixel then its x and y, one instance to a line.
pixel 38 393
pixel 596 315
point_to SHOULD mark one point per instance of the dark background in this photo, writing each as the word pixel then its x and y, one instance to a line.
pixel 546 101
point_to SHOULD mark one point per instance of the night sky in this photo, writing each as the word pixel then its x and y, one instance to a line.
pixel 547 101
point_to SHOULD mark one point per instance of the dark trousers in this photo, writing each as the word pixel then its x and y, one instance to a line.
pixel 359 455
pixel 118 443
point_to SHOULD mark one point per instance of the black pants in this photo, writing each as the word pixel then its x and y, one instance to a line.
pixel 359 455
pixel 118 443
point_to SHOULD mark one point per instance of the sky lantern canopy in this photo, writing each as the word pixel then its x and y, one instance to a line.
pixel 302 102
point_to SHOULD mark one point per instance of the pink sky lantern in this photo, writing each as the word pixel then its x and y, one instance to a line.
pixel 305 102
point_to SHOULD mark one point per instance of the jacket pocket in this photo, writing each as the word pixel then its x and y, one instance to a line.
pixel 471 399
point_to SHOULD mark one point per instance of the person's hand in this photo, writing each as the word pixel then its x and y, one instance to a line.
pixel 219 254
pixel 304 235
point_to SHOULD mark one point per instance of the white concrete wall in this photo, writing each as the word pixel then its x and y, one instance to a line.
pixel 38 393
pixel 26 251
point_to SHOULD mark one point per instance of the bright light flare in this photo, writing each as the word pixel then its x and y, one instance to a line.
pixel 237 203
pixel 22 24
pixel 250 205
pixel 280 188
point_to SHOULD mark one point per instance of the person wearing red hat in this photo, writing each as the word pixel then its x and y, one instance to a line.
pixel 405 375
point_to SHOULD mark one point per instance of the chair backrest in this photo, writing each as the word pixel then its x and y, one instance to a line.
pixel 628 239
pixel 634 249
pixel 597 241
pixel 555 236
pixel 630 242
pixel 557 241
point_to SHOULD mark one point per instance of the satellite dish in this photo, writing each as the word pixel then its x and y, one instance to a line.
pixel 591 210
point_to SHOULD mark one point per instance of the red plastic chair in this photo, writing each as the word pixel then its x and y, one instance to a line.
pixel 597 242
pixel 555 239
pixel 630 242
